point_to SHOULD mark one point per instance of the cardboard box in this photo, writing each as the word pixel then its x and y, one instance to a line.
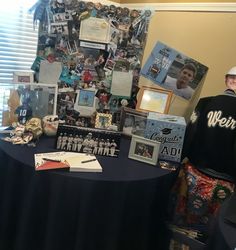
pixel 170 131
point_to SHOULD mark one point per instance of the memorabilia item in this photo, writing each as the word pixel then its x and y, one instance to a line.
pixel 34 126
pixel 143 149
pixel 26 100
pixel 27 133
pixel 164 67
pixel 88 140
pixel 25 77
pixel 50 125
pixel 19 135
pixel 85 102
pixel 154 100
pixel 103 120
pixel 95 30
pixel 133 122
pixel 169 130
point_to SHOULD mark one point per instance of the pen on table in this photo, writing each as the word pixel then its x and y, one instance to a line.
pixel 47 159
pixel 88 160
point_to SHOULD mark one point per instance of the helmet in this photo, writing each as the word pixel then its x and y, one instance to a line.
pixel 232 71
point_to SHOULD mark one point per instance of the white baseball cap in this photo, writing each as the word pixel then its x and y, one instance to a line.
pixel 232 71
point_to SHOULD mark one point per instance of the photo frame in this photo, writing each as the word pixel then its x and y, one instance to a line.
pixel 133 121
pixel 85 101
pixel 143 149
pixel 88 140
pixel 152 99
pixel 23 77
pixel 103 120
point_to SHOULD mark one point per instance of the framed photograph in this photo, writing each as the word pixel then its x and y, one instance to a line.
pixel 103 120
pixel 23 77
pixel 154 100
pixel 85 102
pixel 85 121
pixel 88 140
pixel 86 98
pixel 133 121
pixel 143 149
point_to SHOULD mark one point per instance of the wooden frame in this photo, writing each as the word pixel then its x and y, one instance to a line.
pixel 132 122
pixel 143 149
pixel 154 100
pixel 23 77
pixel 103 120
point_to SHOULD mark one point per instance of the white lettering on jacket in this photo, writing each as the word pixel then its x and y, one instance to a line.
pixel 215 118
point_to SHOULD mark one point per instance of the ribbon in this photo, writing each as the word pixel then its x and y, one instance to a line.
pixel 41 11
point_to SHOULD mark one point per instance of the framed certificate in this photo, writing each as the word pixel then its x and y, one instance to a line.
pixel 95 30
pixel 154 100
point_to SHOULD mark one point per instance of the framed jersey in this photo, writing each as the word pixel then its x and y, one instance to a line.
pixel 21 101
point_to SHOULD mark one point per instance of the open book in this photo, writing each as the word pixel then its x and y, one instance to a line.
pixel 73 161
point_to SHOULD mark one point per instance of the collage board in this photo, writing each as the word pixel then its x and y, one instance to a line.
pixel 93 52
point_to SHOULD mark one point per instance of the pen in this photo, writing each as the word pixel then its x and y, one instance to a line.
pixel 46 159
pixel 88 161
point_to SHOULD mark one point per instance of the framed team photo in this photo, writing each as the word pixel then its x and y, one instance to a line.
pixel 88 140
pixel 143 149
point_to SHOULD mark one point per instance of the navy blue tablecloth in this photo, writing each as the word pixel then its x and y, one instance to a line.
pixel 223 233
pixel 124 207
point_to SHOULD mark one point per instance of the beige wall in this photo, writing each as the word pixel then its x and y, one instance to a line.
pixel 209 38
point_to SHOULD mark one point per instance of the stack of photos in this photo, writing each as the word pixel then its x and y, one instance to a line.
pixel 88 140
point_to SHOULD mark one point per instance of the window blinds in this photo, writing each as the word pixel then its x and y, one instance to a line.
pixel 18 40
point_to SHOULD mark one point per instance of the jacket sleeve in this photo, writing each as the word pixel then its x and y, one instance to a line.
pixel 193 126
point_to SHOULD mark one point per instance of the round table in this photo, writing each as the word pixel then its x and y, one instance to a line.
pixel 124 207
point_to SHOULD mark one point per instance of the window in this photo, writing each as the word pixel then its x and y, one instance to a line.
pixel 18 38
pixel 18 43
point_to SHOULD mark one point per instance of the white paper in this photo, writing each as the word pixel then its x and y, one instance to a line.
pixel 72 159
pixel 121 83
pixel 85 163
pixel 95 30
pixel 49 72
